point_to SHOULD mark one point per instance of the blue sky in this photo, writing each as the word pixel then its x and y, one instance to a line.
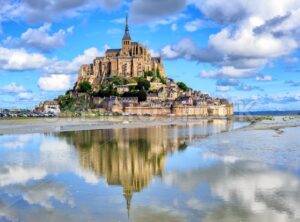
pixel 246 52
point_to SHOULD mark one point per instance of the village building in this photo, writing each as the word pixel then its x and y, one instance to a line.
pixel 49 107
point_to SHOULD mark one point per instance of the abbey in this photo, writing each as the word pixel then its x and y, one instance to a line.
pixel 132 60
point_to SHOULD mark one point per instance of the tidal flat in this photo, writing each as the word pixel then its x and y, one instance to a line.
pixel 197 170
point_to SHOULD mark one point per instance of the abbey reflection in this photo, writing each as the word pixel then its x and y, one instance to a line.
pixel 132 157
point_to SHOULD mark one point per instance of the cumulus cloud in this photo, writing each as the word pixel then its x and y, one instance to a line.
pixel 227 71
pixel 20 60
pixel 55 82
pixel 17 91
pixel 71 67
pixel 144 11
pixel 12 88
pixel 11 175
pixel 185 48
pixel 193 25
pixel 43 193
pixel 41 39
pixel 15 142
pixel 33 11
pixel 25 96
pixel 253 35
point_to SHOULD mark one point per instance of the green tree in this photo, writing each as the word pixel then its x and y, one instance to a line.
pixel 119 81
pixel 85 87
pixel 143 84
pixel 66 103
pixel 158 74
pixel 148 73
pixel 107 92
pixel 142 95
pixel 182 86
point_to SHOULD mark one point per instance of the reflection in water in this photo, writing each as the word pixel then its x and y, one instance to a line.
pixel 131 157
pixel 167 173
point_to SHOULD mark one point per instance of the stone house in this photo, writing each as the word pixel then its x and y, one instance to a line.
pixel 50 107
pixel 129 101
pixel 112 104
pixel 121 89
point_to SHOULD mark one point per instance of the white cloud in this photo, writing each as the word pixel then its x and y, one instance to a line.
pixel 12 88
pixel 48 11
pixel 54 82
pixel 44 193
pixel 222 88
pixel 16 142
pixel 20 60
pixel 228 71
pixel 174 27
pixel 219 11
pixel 71 67
pixel 264 78
pixel 154 53
pixel 41 39
pixel 20 175
pixel 244 43
pixel 185 48
pixel 25 96
pixel 193 25
pixel 253 35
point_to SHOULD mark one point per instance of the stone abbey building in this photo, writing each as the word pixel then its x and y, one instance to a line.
pixel 132 60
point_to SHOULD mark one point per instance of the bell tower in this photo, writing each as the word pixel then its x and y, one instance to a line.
pixel 126 40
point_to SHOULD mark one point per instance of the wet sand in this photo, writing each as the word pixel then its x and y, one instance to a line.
pixel 44 125
pixel 47 125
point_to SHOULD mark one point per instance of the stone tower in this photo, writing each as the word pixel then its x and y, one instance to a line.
pixel 126 40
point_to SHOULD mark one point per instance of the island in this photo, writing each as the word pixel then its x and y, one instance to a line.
pixel 130 81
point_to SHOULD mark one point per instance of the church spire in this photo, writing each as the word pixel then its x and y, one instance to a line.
pixel 126 34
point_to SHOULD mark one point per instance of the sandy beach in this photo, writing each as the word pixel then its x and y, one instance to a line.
pixel 47 125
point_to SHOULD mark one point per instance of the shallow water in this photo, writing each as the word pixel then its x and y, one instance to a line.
pixel 168 173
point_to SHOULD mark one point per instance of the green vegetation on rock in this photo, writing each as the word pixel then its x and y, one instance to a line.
pixel 182 86
pixel 141 94
pixel 143 84
pixel 118 81
pixel 85 87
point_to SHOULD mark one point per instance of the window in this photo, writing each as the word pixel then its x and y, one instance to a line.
pixel 124 69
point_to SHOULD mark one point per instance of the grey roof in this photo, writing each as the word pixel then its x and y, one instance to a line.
pixel 126 34
pixel 113 50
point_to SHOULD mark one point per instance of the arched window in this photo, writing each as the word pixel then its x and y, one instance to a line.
pixel 124 69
